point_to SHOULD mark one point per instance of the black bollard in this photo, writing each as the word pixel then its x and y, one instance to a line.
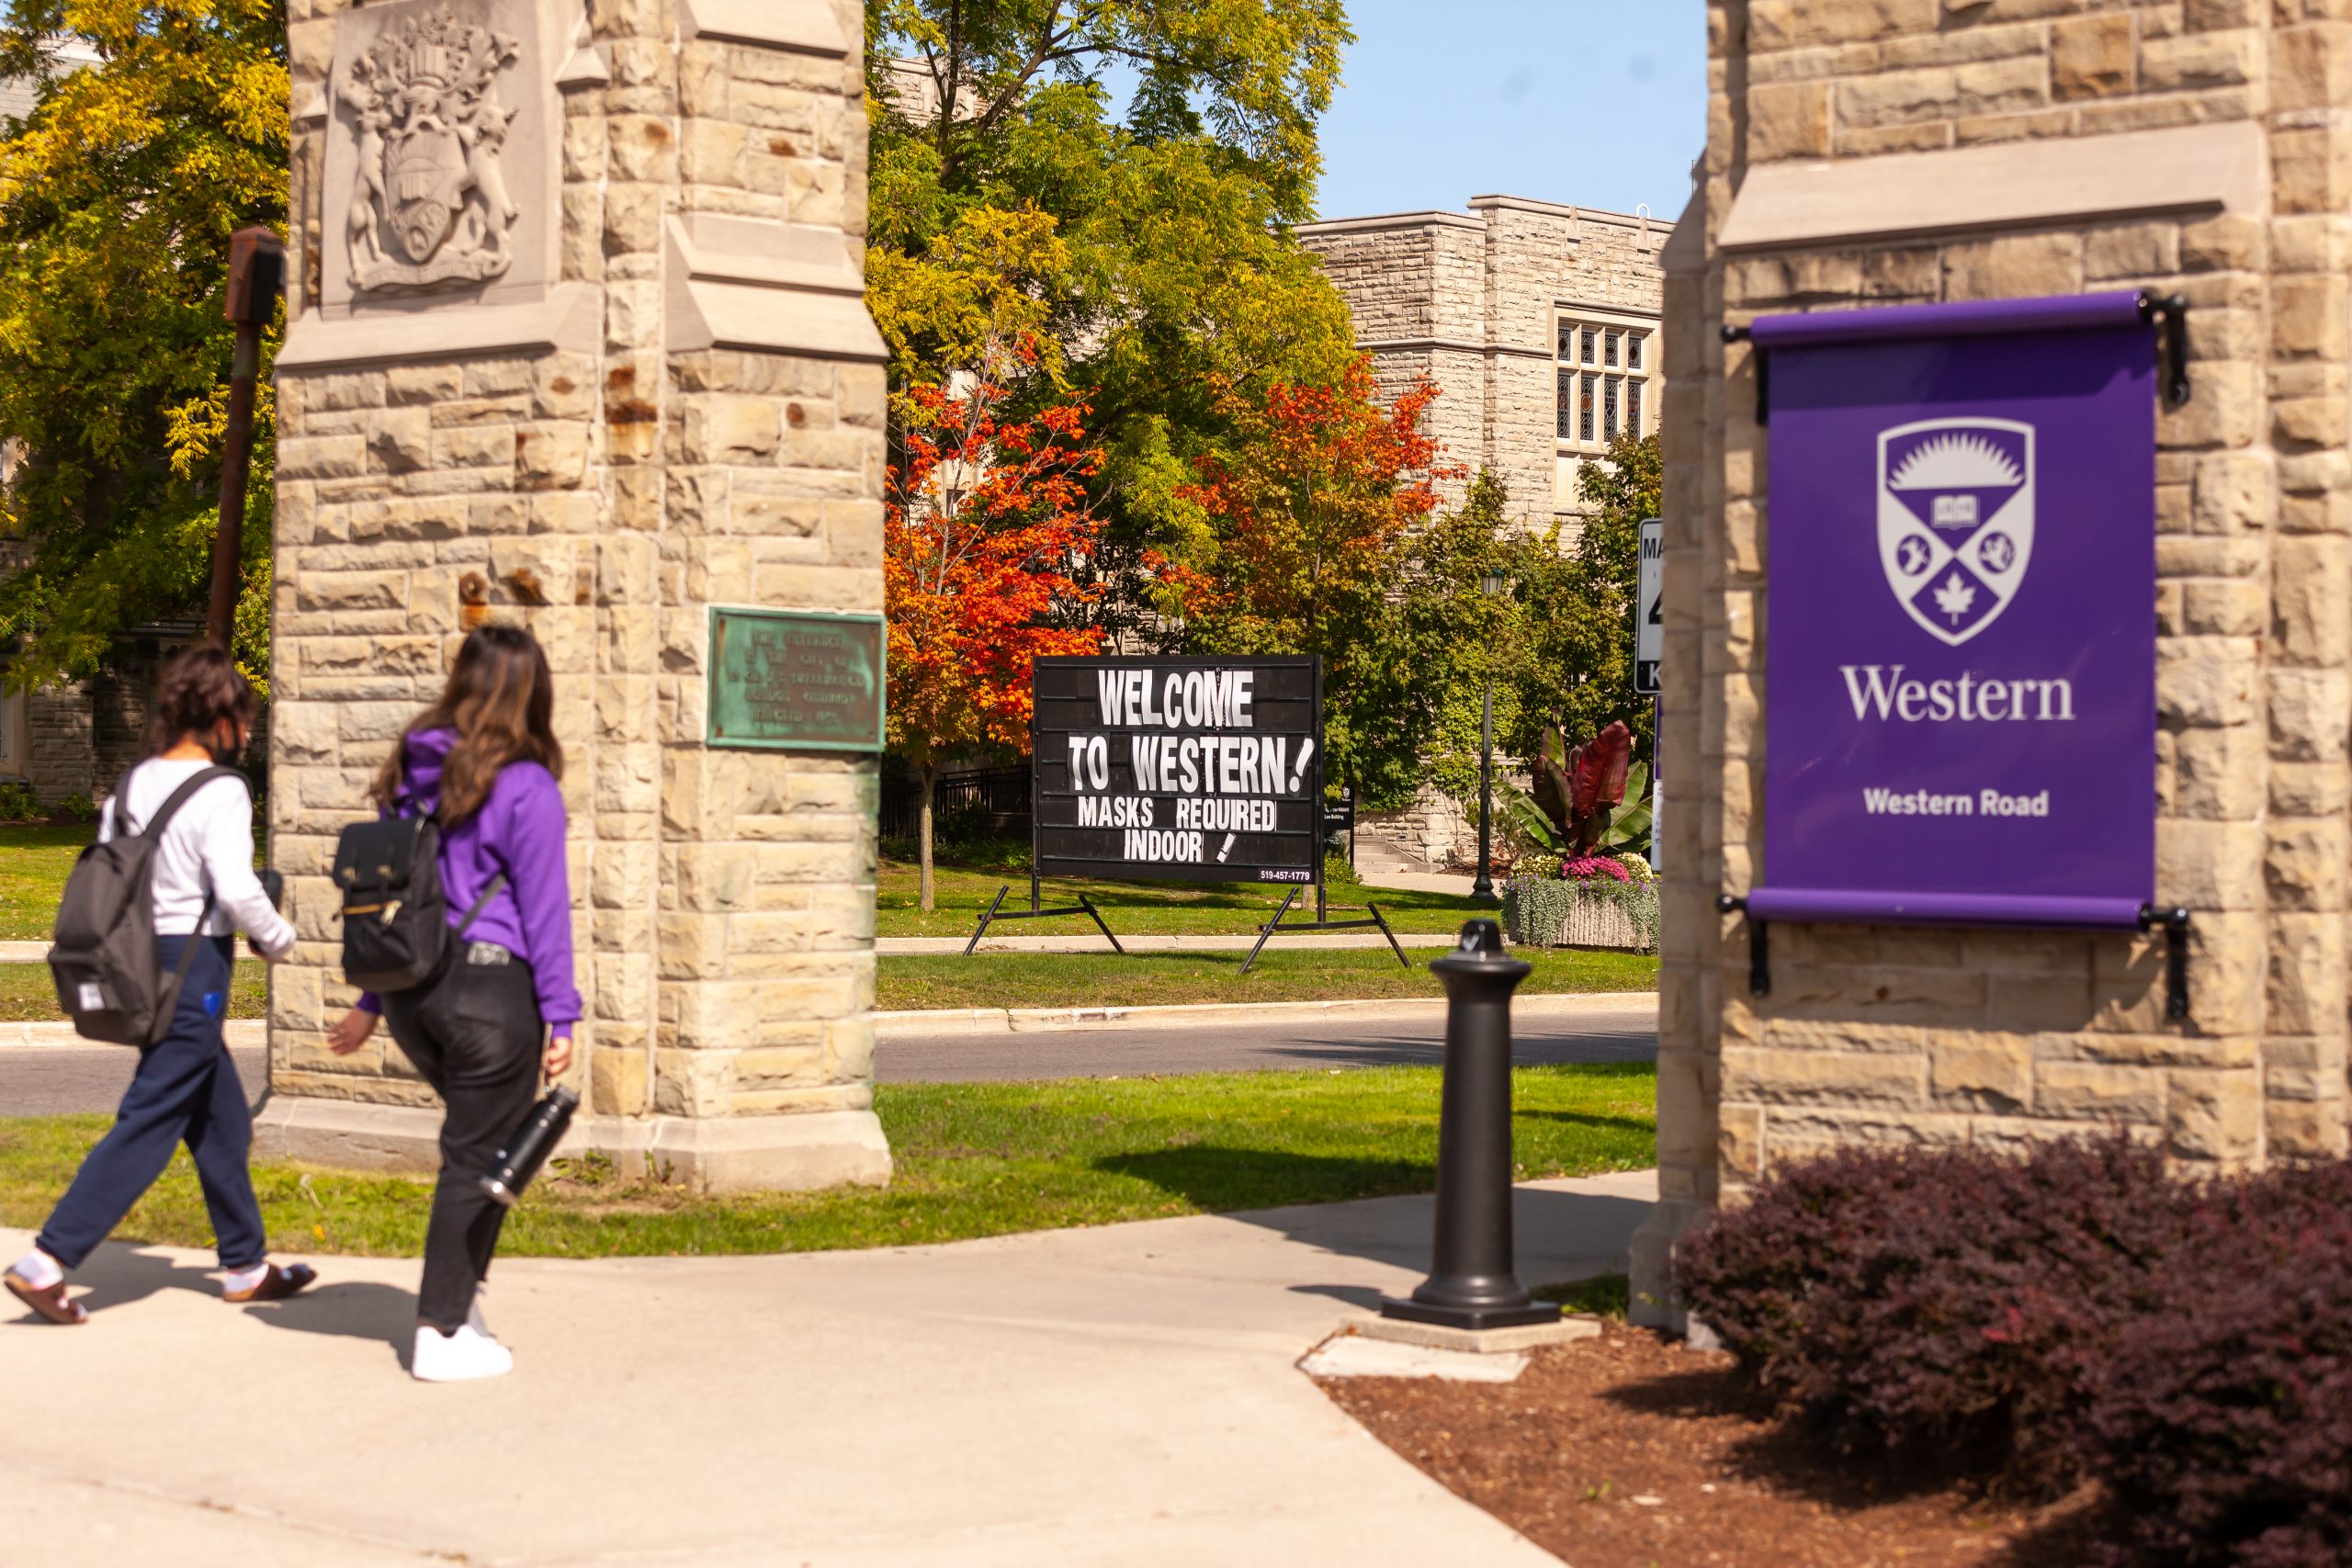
pixel 1471 1284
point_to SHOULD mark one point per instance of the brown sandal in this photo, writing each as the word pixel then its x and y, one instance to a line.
pixel 51 1300
pixel 281 1281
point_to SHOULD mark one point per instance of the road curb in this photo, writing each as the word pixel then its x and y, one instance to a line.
pixel 916 1024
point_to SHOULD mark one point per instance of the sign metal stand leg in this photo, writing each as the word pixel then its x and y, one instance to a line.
pixel 1309 928
pixel 996 912
pixel 1268 929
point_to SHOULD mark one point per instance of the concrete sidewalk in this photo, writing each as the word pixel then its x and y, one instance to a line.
pixel 1120 1395
pixel 917 946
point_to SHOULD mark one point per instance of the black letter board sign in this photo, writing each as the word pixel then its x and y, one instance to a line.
pixel 1179 769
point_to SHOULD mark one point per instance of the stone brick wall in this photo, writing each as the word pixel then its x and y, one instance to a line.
pixel 606 495
pixel 61 758
pixel 1469 301
pixel 1915 1037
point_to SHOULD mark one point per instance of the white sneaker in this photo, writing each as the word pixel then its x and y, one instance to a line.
pixel 461 1357
pixel 474 1319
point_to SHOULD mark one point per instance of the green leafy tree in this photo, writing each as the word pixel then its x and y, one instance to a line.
pixel 118 195
pixel 1572 660
pixel 1441 639
pixel 1145 246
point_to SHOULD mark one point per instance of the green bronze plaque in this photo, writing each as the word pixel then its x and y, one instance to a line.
pixel 797 680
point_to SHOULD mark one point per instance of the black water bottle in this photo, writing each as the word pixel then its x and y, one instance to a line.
pixel 528 1146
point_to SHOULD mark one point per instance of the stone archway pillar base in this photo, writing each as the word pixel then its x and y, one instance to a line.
pixel 1651 1264
pixel 747 1154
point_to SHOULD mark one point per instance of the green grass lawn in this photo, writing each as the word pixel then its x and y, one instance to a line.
pixel 1281 975
pixel 34 861
pixel 974 1160
pixel 26 994
pixel 1143 908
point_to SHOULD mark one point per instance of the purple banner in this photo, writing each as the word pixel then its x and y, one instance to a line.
pixel 1960 683
pixel 1975 319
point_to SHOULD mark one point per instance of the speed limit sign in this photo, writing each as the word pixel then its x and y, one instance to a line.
pixel 1649 617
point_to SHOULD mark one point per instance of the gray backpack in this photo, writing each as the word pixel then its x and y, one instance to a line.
pixel 109 978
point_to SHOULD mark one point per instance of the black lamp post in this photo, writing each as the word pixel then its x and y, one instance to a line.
pixel 1495 583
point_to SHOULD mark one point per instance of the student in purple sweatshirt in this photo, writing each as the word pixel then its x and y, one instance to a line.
pixel 485 758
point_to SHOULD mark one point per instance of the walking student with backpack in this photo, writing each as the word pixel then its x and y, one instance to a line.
pixel 145 943
pixel 457 920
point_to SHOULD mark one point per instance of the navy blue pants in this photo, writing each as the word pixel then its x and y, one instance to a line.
pixel 185 1090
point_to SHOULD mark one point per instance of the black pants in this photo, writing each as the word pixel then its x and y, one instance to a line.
pixel 477 1038
pixel 185 1090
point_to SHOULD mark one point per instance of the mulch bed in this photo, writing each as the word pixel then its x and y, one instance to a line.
pixel 1631 1451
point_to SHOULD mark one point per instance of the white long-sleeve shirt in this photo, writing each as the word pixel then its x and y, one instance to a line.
pixel 208 843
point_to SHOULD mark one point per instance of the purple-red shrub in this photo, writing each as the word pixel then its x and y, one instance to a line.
pixel 1931 1306
pixel 2221 1421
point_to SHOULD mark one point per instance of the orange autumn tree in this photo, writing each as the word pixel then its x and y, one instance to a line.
pixel 1309 513
pixel 986 527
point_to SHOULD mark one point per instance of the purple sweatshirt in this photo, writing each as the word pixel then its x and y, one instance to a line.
pixel 518 831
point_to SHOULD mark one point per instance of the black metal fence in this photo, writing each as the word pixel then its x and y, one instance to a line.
pixel 997 799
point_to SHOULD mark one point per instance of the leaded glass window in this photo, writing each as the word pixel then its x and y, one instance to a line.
pixel 1603 370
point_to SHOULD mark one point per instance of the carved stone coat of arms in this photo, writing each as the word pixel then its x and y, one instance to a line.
pixel 429 203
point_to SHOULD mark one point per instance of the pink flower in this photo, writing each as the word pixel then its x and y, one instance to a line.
pixel 1584 868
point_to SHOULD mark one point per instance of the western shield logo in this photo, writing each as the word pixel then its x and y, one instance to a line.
pixel 1955 519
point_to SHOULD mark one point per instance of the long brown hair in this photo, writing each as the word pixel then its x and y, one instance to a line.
pixel 501 701
pixel 199 687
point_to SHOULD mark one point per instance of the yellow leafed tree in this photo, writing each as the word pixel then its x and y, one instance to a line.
pixel 118 192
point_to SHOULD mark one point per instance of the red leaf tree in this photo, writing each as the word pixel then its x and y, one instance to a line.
pixel 1309 511
pixel 986 527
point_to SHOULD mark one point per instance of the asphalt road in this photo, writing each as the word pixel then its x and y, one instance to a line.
pixel 49 1080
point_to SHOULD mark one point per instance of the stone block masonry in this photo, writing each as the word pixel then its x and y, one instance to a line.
pixel 1472 301
pixel 2206 147
pixel 650 388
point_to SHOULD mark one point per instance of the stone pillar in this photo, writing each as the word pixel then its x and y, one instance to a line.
pixel 1911 151
pixel 579 342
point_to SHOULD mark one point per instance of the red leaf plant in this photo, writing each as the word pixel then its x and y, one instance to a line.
pixel 1579 795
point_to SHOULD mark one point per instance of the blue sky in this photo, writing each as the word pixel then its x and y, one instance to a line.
pixel 1599 103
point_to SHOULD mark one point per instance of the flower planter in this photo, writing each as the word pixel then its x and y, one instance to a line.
pixel 1552 912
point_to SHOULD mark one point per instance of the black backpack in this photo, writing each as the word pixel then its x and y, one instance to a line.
pixel 110 980
pixel 396 933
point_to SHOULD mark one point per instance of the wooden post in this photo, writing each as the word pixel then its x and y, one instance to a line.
pixel 256 278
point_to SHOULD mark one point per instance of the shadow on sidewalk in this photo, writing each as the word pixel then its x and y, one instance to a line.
pixel 116 1276
pixel 1559 1237
pixel 383 1314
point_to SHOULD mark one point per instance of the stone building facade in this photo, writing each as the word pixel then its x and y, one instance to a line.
pixel 1877 152
pixel 1494 305
pixel 72 740
pixel 1541 325
pixel 603 367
